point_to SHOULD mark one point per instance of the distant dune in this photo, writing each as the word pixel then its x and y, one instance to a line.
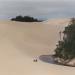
pixel 21 42
pixel 57 21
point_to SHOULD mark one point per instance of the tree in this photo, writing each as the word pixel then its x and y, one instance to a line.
pixel 18 18
pixel 65 50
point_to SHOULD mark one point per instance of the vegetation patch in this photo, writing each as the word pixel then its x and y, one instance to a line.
pixel 65 51
pixel 25 19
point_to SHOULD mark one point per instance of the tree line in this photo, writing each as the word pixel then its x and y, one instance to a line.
pixel 25 19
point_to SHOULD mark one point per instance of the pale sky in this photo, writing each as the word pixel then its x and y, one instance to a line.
pixel 37 0
pixel 37 8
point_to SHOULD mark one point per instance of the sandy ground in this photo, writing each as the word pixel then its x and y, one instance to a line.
pixel 20 43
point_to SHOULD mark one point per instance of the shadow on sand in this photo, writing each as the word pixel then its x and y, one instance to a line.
pixel 47 59
pixel 50 59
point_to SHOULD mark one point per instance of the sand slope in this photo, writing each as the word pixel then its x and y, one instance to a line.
pixel 20 43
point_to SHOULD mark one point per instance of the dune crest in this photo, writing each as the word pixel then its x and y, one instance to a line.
pixel 57 21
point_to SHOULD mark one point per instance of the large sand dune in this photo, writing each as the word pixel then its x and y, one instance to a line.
pixel 21 42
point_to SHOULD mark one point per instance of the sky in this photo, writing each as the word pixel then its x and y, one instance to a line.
pixel 42 9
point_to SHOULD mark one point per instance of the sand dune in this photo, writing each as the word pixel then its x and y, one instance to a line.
pixel 21 42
